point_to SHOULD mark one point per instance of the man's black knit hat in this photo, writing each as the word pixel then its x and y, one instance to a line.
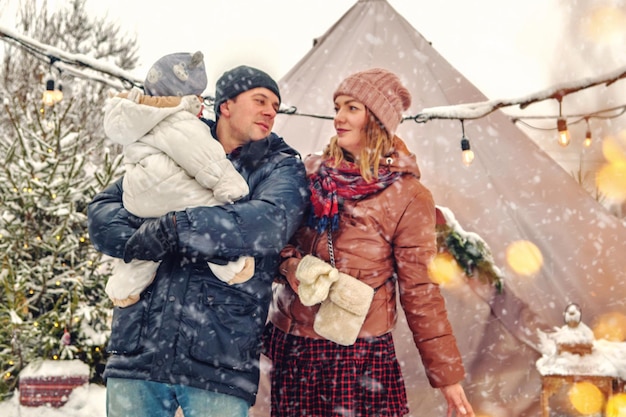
pixel 240 79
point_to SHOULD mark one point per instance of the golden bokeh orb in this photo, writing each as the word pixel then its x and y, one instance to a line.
pixel 586 398
pixel 611 177
pixel 524 257
pixel 445 271
pixel 616 406
pixel 606 24
pixel 610 326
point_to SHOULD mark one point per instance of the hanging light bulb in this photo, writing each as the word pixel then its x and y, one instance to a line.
pixel 587 142
pixel 54 90
pixel 467 155
pixel 564 135
pixel 561 126
pixel 58 92
pixel 48 93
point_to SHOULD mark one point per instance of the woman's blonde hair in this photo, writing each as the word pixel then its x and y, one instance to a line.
pixel 378 143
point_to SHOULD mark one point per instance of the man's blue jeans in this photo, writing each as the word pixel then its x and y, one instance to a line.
pixel 136 398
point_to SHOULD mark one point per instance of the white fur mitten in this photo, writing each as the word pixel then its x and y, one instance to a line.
pixel 129 280
pixel 234 272
pixel 192 104
pixel 316 277
pixel 341 316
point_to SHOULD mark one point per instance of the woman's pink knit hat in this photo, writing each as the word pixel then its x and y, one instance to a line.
pixel 381 91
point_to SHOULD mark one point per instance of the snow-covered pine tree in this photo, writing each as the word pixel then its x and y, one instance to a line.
pixel 52 300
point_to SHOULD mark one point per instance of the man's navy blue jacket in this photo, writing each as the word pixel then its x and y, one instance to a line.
pixel 189 327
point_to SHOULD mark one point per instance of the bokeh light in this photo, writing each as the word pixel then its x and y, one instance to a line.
pixel 524 257
pixel 616 406
pixel 586 398
pixel 611 177
pixel 445 271
pixel 610 326
pixel 614 148
pixel 606 24
pixel 611 181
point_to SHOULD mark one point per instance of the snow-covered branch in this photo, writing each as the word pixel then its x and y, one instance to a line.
pixel 76 63
pixel 481 109
pixel 72 63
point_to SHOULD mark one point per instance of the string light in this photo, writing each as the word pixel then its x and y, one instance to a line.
pixel 605 114
pixel 561 126
pixel 48 94
pixel 58 92
pixel 587 142
pixel 53 92
pixel 70 62
pixel 467 155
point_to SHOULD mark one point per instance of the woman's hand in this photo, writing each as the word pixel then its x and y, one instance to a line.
pixel 456 399
pixel 288 270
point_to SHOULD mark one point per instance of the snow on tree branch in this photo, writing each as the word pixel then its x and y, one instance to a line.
pixel 76 63
pixel 482 109
pixel 72 63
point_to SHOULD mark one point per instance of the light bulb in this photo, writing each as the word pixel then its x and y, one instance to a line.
pixel 467 155
pixel 564 135
pixel 48 98
pixel 58 93
pixel 587 141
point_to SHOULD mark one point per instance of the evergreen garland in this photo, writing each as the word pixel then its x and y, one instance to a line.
pixel 470 252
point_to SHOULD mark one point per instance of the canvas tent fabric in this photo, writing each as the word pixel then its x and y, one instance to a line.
pixel 512 192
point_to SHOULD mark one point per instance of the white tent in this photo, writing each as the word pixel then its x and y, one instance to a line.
pixel 513 191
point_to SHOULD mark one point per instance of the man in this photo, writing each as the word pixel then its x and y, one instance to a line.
pixel 192 340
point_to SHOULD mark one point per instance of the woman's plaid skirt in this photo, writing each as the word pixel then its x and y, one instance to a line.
pixel 319 378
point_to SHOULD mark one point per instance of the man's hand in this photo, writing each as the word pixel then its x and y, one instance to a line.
pixel 154 239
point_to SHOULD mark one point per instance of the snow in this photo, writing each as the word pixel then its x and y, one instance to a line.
pixel 74 64
pixel 55 368
pixel 86 401
pixel 606 358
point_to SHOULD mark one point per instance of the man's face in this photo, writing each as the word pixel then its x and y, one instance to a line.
pixel 251 114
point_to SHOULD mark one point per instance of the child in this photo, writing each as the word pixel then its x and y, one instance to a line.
pixel 172 162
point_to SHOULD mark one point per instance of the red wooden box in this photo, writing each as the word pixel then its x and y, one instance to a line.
pixel 53 386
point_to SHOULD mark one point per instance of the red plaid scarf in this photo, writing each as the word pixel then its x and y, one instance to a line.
pixel 329 184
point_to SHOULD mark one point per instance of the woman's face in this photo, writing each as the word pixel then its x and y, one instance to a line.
pixel 350 121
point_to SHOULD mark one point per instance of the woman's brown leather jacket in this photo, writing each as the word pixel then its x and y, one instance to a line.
pixel 385 240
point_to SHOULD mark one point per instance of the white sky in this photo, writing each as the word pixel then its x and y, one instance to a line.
pixel 501 46
pixel 505 48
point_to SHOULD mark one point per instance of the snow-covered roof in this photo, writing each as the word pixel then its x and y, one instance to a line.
pixel 46 368
pixel 606 358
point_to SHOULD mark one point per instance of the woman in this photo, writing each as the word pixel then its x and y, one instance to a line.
pixel 371 222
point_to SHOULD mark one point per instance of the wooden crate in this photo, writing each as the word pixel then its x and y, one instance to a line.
pixel 51 385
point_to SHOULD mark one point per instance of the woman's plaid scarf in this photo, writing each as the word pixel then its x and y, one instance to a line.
pixel 329 184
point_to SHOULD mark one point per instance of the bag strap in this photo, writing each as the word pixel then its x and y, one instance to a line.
pixel 331 250
pixel 331 255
